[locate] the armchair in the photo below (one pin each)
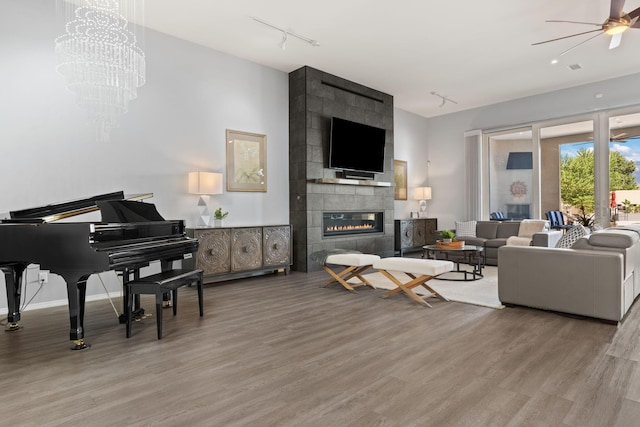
(497, 216)
(556, 220)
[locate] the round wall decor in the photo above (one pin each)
(518, 189)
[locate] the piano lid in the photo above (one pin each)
(58, 211)
(125, 211)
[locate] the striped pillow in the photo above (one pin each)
(466, 228)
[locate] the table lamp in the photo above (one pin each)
(204, 184)
(423, 194)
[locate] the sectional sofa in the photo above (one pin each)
(492, 235)
(599, 276)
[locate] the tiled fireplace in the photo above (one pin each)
(347, 223)
(316, 190)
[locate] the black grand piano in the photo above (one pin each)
(131, 235)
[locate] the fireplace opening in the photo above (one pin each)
(344, 223)
(518, 211)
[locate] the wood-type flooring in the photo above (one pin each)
(280, 350)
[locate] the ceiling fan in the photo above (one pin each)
(617, 23)
(621, 138)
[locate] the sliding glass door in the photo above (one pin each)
(510, 164)
(624, 158)
(567, 170)
(574, 166)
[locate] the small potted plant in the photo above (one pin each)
(447, 235)
(218, 216)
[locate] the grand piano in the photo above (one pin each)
(131, 235)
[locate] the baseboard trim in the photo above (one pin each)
(56, 303)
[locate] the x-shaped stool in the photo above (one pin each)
(419, 270)
(355, 265)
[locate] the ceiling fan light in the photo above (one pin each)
(616, 28)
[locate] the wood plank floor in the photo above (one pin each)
(282, 351)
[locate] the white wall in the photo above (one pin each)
(177, 125)
(410, 145)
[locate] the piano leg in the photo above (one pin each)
(76, 292)
(166, 297)
(13, 280)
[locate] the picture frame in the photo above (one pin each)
(400, 180)
(246, 161)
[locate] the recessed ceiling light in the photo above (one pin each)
(554, 61)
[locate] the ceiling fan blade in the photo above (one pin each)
(635, 23)
(579, 44)
(566, 37)
(634, 13)
(616, 9)
(615, 41)
(576, 22)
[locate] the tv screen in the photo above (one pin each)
(520, 160)
(356, 147)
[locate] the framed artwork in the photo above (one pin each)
(400, 180)
(246, 161)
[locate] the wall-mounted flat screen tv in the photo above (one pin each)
(356, 147)
(520, 160)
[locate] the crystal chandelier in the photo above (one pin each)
(101, 62)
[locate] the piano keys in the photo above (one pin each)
(131, 235)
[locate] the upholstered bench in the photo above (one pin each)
(158, 285)
(419, 270)
(354, 265)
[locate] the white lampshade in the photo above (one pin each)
(205, 183)
(422, 193)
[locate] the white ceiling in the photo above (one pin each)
(473, 52)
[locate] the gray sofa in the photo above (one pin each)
(599, 276)
(494, 234)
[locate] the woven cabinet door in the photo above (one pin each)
(246, 248)
(277, 245)
(419, 233)
(213, 253)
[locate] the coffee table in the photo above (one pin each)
(468, 254)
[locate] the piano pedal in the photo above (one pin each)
(142, 317)
(79, 345)
(13, 327)
(137, 315)
(167, 304)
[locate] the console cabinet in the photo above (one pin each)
(230, 253)
(413, 234)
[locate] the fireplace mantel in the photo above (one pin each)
(344, 181)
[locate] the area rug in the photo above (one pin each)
(483, 292)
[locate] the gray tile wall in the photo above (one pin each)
(315, 97)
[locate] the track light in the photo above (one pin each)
(287, 33)
(444, 99)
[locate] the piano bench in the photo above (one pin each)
(158, 285)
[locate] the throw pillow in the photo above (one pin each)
(571, 236)
(466, 228)
(529, 227)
